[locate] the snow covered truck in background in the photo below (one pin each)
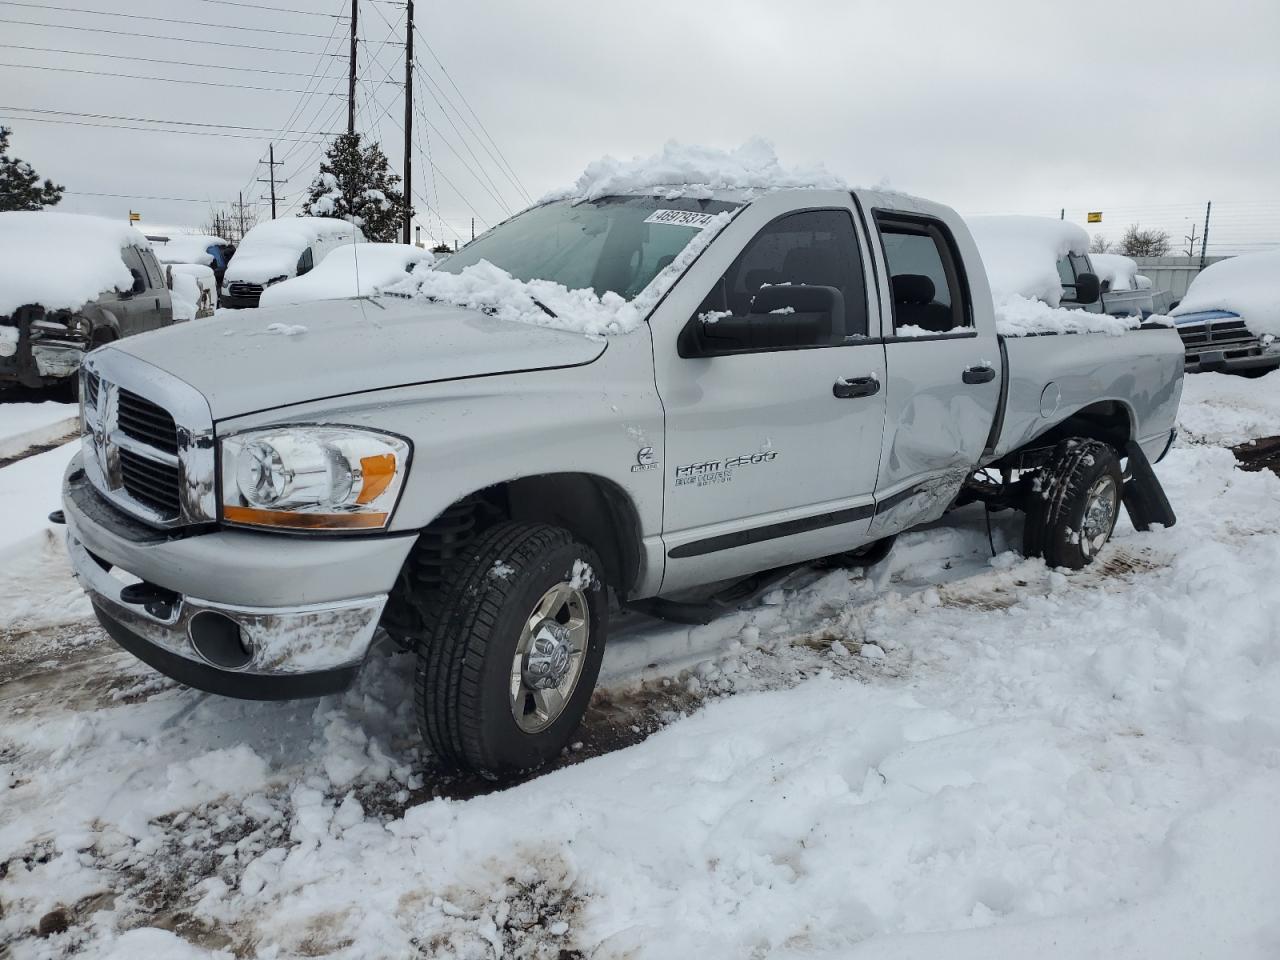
(1229, 320)
(1049, 260)
(275, 250)
(644, 398)
(69, 283)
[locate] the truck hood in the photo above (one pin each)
(249, 360)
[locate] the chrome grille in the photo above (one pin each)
(1231, 338)
(148, 441)
(145, 421)
(153, 483)
(251, 291)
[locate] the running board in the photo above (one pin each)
(700, 612)
(1144, 498)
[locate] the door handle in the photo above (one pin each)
(849, 387)
(981, 374)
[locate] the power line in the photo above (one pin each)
(479, 122)
(182, 123)
(142, 16)
(174, 63)
(259, 6)
(132, 196)
(467, 146)
(155, 36)
(121, 126)
(137, 76)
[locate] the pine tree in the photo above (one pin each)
(20, 187)
(356, 184)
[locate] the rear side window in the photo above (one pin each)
(306, 261)
(134, 262)
(808, 248)
(929, 295)
(155, 275)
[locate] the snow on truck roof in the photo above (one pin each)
(1248, 285)
(355, 270)
(61, 261)
(687, 170)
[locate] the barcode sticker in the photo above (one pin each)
(681, 218)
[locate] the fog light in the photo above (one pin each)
(217, 638)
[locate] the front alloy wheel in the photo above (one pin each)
(515, 637)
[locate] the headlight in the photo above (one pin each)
(1270, 343)
(312, 478)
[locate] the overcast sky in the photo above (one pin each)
(1142, 111)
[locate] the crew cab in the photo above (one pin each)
(69, 283)
(275, 250)
(792, 374)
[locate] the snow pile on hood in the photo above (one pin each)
(61, 261)
(683, 170)
(545, 303)
(358, 270)
(1021, 254)
(271, 249)
(188, 249)
(1122, 271)
(1248, 285)
(1021, 317)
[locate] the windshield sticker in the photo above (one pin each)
(681, 218)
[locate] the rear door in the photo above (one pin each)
(159, 300)
(772, 453)
(945, 385)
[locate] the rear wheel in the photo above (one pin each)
(514, 640)
(1074, 504)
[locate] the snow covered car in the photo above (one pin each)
(276, 250)
(69, 283)
(354, 270)
(202, 249)
(661, 393)
(1045, 259)
(194, 289)
(1230, 318)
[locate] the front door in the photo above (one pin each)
(771, 453)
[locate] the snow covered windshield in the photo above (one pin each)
(612, 244)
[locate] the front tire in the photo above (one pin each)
(515, 637)
(1074, 504)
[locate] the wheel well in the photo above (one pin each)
(1110, 421)
(594, 509)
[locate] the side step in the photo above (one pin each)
(699, 612)
(1144, 498)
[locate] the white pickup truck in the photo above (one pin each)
(792, 374)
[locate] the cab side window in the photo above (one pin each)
(306, 261)
(929, 295)
(136, 267)
(802, 265)
(155, 276)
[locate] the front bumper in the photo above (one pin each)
(304, 610)
(42, 363)
(232, 301)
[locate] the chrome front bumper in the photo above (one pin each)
(281, 642)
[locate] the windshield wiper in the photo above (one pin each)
(545, 309)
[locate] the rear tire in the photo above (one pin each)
(1074, 504)
(514, 640)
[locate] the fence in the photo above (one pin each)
(1172, 273)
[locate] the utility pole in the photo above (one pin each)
(408, 118)
(473, 228)
(1062, 213)
(351, 77)
(240, 211)
(1204, 243)
(271, 166)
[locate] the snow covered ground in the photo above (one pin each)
(955, 756)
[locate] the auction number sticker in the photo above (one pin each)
(681, 218)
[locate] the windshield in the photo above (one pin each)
(613, 244)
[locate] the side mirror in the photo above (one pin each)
(139, 284)
(1088, 288)
(781, 317)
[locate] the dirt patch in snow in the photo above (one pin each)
(1261, 454)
